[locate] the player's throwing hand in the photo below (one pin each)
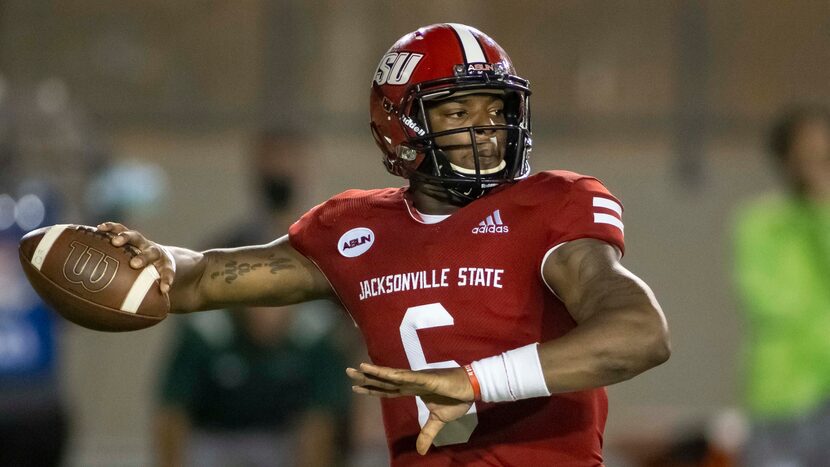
(149, 252)
(447, 393)
(381, 381)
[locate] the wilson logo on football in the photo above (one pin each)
(492, 224)
(396, 68)
(355, 242)
(89, 267)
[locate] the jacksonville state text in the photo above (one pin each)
(463, 277)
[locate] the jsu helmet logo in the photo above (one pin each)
(89, 267)
(396, 68)
(355, 242)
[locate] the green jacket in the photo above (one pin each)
(782, 272)
(225, 383)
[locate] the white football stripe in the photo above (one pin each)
(46, 243)
(472, 49)
(600, 218)
(607, 204)
(489, 220)
(139, 289)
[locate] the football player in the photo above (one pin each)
(493, 303)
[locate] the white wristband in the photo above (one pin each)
(513, 375)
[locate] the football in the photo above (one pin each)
(88, 280)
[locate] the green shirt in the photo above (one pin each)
(224, 382)
(782, 272)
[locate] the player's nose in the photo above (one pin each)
(482, 122)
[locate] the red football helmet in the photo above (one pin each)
(436, 62)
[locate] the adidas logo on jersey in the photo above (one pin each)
(492, 224)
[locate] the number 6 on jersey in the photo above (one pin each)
(433, 315)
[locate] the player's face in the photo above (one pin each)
(467, 111)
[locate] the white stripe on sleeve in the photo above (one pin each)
(600, 218)
(606, 203)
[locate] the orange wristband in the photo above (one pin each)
(473, 382)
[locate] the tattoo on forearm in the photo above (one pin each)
(234, 270)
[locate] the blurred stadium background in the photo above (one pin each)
(666, 101)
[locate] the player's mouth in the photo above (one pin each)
(487, 166)
(487, 161)
(488, 153)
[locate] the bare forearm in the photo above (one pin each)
(273, 274)
(190, 266)
(270, 275)
(625, 335)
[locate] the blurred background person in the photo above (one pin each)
(258, 386)
(242, 390)
(782, 269)
(33, 412)
(48, 149)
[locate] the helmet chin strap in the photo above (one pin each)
(466, 171)
(437, 191)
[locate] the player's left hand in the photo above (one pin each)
(447, 393)
(381, 381)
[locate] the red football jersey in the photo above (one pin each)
(442, 295)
